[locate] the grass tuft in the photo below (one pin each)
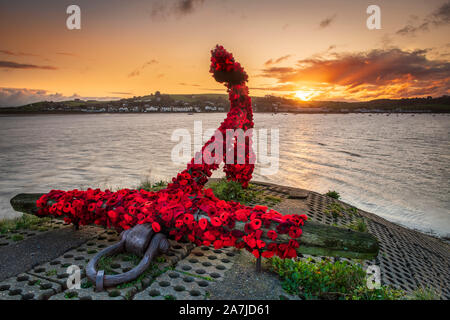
(358, 225)
(333, 194)
(233, 191)
(425, 293)
(147, 185)
(328, 280)
(26, 221)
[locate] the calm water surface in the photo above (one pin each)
(396, 166)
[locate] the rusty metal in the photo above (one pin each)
(139, 240)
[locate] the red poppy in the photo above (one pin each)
(113, 215)
(272, 234)
(260, 244)
(218, 244)
(156, 227)
(188, 218)
(255, 253)
(267, 254)
(203, 223)
(256, 224)
(216, 222)
(179, 223)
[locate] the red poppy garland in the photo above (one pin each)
(185, 210)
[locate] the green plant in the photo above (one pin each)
(26, 221)
(86, 285)
(70, 295)
(233, 191)
(328, 280)
(337, 210)
(207, 278)
(358, 225)
(152, 271)
(425, 293)
(160, 259)
(17, 237)
(383, 293)
(52, 272)
(272, 200)
(105, 263)
(150, 186)
(129, 257)
(333, 194)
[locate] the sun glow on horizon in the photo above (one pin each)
(304, 95)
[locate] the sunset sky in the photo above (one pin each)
(312, 50)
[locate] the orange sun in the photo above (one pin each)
(304, 95)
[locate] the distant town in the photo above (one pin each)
(195, 103)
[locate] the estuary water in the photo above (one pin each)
(396, 166)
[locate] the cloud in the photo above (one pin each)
(280, 59)
(326, 22)
(121, 93)
(18, 54)
(364, 73)
(188, 84)
(136, 72)
(67, 54)
(12, 97)
(188, 6)
(165, 8)
(439, 17)
(16, 65)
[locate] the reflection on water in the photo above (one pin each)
(397, 167)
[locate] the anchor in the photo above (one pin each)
(140, 240)
(185, 210)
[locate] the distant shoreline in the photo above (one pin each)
(28, 113)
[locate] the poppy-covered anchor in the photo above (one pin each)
(188, 211)
(140, 240)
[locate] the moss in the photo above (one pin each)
(70, 295)
(160, 259)
(129, 257)
(336, 210)
(86, 285)
(358, 225)
(26, 221)
(233, 191)
(152, 271)
(114, 293)
(197, 276)
(104, 263)
(17, 237)
(52, 272)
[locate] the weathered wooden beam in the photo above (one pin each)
(317, 238)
